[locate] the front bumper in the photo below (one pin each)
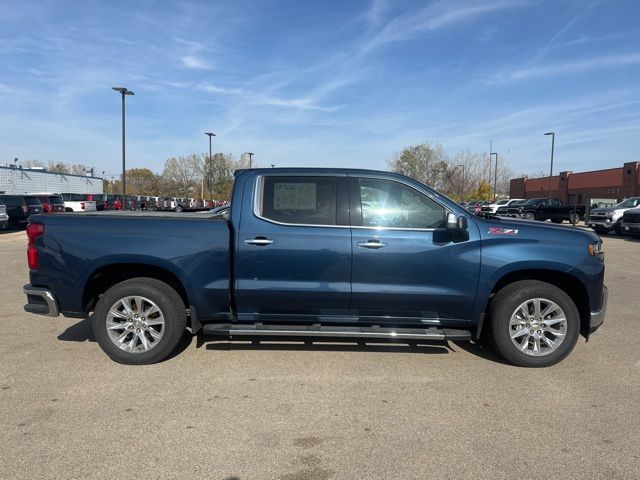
(597, 317)
(40, 301)
(630, 227)
(601, 223)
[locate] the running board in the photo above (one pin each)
(234, 330)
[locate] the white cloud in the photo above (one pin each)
(191, 61)
(596, 63)
(433, 17)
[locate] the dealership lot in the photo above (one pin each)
(322, 411)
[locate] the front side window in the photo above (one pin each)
(299, 200)
(391, 204)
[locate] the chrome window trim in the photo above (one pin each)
(258, 198)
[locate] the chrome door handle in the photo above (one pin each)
(260, 241)
(374, 244)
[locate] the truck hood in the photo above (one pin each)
(520, 228)
(604, 211)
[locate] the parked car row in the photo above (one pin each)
(18, 208)
(543, 209)
(605, 220)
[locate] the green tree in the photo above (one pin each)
(425, 163)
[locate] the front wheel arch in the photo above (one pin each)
(571, 285)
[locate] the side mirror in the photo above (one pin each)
(455, 222)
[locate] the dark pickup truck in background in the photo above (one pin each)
(545, 209)
(320, 253)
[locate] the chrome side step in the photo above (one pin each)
(259, 330)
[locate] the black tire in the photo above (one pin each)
(169, 303)
(574, 218)
(505, 303)
(618, 228)
(179, 208)
(601, 231)
(530, 216)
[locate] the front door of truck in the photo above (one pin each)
(294, 249)
(405, 265)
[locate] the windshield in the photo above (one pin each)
(629, 203)
(502, 202)
(32, 201)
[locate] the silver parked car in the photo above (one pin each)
(4, 218)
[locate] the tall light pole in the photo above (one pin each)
(495, 177)
(462, 183)
(209, 134)
(553, 141)
(123, 91)
(251, 154)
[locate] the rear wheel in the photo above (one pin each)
(574, 218)
(533, 323)
(139, 321)
(179, 208)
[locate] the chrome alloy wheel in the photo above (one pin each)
(135, 324)
(538, 327)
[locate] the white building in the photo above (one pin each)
(25, 180)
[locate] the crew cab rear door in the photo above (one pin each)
(294, 248)
(406, 268)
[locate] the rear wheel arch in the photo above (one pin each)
(107, 276)
(571, 285)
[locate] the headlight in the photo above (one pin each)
(595, 249)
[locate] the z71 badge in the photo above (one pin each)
(502, 231)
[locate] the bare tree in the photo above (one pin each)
(180, 175)
(58, 167)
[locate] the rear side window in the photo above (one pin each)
(391, 204)
(299, 200)
(55, 199)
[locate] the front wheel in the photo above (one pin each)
(139, 321)
(533, 323)
(179, 208)
(618, 228)
(530, 216)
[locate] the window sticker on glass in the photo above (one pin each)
(294, 196)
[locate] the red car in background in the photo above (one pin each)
(51, 202)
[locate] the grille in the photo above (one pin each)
(631, 217)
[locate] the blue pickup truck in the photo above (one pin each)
(320, 253)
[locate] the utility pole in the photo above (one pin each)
(123, 91)
(495, 177)
(461, 183)
(209, 182)
(553, 141)
(251, 154)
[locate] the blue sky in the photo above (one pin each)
(330, 83)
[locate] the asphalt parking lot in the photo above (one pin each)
(314, 412)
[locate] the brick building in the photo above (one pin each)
(578, 188)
